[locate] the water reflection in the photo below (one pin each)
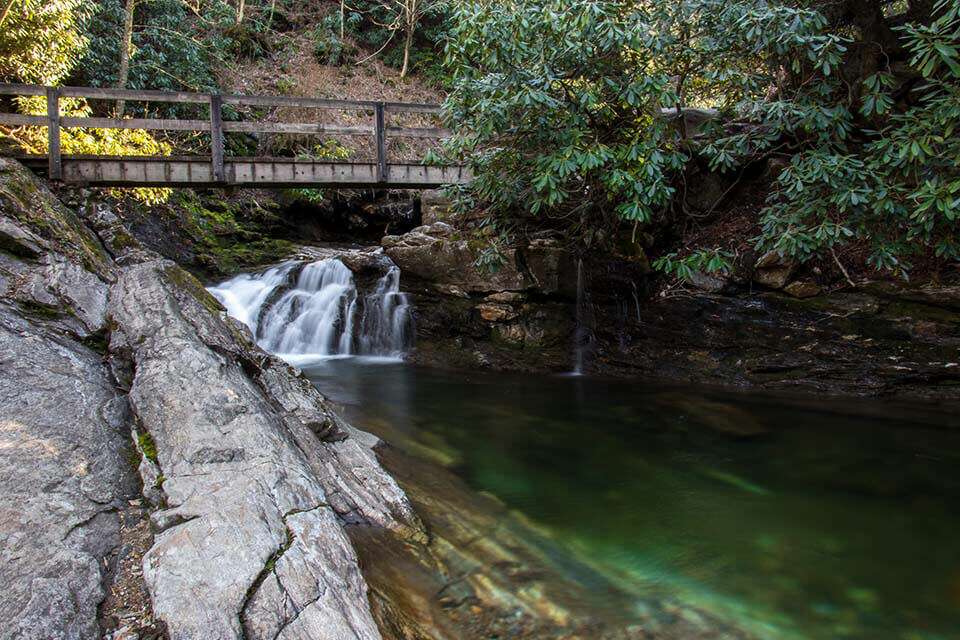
(793, 518)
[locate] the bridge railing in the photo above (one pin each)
(215, 125)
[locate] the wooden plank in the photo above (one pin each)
(296, 101)
(22, 120)
(55, 166)
(410, 107)
(418, 132)
(297, 127)
(216, 138)
(22, 90)
(153, 124)
(136, 95)
(381, 142)
(143, 95)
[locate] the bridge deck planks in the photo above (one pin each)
(196, 171)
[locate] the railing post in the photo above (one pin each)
(380, 131)
(55, 167)
(216, 137)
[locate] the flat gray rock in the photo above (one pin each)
(62, 474)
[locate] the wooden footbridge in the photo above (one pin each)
(218, 169)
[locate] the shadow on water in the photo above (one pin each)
(789, 517)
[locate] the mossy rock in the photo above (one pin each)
(26, 199)
(190, 284)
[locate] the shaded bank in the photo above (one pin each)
(873, 339)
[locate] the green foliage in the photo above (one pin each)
(567, 111)
(378, 25)
(700, 261)
(173, 47)
(328, 47)
(41, 40)
(898, 188)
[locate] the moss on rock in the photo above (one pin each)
(24, 198)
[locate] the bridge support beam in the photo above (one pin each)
(380, 132)
(55, 168)
(216, 138)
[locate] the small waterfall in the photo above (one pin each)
(323, 314)
(636, 300)
(581, 336)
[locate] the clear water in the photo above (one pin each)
(792, 518)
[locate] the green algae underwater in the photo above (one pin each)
(787, 517)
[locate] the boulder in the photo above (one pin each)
(708, 282)
(773, 270)
(802, 289)
(433, 254)
(437, 255)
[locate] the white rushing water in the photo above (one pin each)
(322, 314)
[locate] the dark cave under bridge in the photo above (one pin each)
(219, 169)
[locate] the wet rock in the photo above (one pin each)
(505, 296)
(802, 289)
(773, 270)
(708, 282)
(496, 312)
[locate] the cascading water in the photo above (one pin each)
(323, 314)
(581, 336)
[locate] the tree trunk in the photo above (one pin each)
(343, 10)
(407, 42)
(123, 75)
(240, 9)
(6, 10)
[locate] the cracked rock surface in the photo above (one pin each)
(62, 425)
(247, 532)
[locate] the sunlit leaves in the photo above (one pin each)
(41, 40)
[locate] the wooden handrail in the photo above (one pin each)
(141, 95)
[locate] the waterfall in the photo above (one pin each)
(581, 334)
(323, 314)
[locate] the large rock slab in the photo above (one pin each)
(436, 254)
(62, 475)
(448, 259)
(251, 541)
(63, 424)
